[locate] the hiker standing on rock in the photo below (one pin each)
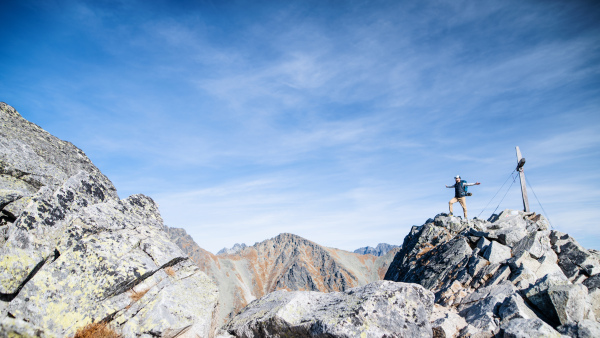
(460, 193)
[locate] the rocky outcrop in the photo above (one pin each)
(72, 252)
(286, 262)
(510, 275)
(380, 250)
(379, 309)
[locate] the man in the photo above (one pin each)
(460, 193)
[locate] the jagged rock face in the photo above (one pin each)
(31, 158)
(74, 253)
(286, 262)
(508, 269)
(380, 250)
(379, 309)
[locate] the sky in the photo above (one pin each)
(338, 121)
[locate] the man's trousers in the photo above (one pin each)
(463, 204)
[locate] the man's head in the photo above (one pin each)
(457, 178)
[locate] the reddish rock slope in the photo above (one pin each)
(285, 262)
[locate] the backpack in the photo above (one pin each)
(466, 188)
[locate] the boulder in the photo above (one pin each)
(446, 323)
(583, 329)
(509, 219)
(475, 265)
(529, 328)
(574, 259)
(537, 295)
(569, 302)
(515, 307)
(451, 223)
(497, 253)
(378, 309)
(480, 308)
(523, 278)
(537, 243)
(594, 301)
(511, 236)
(592, 283)
(483, 243)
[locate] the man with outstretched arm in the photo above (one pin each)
(460, 193)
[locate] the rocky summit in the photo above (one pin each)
(510, 275)
(73, 253)
(285, 262)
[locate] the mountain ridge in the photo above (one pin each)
(284, 262)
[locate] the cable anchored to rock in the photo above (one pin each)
(509, 176)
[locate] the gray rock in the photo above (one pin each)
(573, 259)
(536, 243)
(480, 307)
(31, 158)
(446, 323)
(482, 244)
(34, 236)
(509, 219)
(529, 328)
(501, 275)
(15, 208)
(9, 196)
(475, 265)
(378, 309)
(74, 253)
(523, 278)
(430, 256)
(111, 253)
(451, 223)
(12, 328)
(570, 302)
(583, 329)
(549, 266)
(524, 260)
(558, 239)
(594, 301)
(515, 307)
(497, 253)
(482, 277)
(537, 295)
(511, 236)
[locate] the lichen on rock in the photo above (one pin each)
(75, 253)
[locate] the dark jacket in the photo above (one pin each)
(459, 188)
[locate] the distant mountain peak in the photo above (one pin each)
(380, 250)
(237, 247)
(286, 261)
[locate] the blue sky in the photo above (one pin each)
(339, 121)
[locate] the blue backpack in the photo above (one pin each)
(465, 187)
